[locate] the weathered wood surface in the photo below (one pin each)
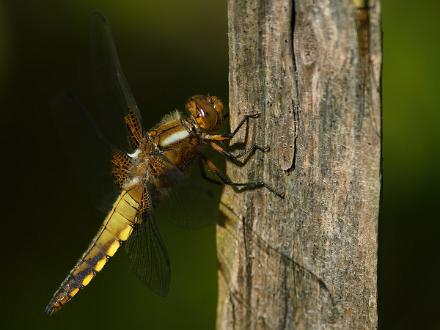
(312, 68)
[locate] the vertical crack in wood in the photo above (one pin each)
(289, 120)
(295, 102)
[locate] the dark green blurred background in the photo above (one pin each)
(169, 51)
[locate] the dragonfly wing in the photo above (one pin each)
(86, 149)
(148, 256)
(114, 97)
(192, 203)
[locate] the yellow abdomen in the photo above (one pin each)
(116, 228)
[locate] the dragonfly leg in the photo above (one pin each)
(230, 135)
(241, 123)
(235, 158)
(205, 175)
(247, 152)
(238, 187)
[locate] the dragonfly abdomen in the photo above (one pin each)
(116, 228)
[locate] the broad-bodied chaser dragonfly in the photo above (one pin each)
(158, 160)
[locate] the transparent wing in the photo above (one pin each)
(148, 256)
(192, 203)
(86, 149)
(113, 94)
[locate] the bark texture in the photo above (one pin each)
(308, 261)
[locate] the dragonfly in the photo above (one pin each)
(155, 161)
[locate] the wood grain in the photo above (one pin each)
(309, 261)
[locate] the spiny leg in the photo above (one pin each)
(222, 137)
(241, 123)
(238, 187)
(234, 158)
(230, 135)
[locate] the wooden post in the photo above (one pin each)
(309, 261)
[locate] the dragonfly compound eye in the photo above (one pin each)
(206, 110)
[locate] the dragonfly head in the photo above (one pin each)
(206, 111)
